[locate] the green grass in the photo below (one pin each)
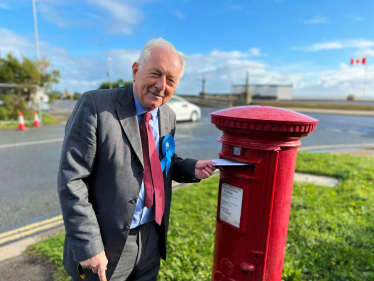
(50, 250)
(191, 232)
(47, 120)
(330, 233)
(330, 236)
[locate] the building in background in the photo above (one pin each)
(266, 91)
(38, 97)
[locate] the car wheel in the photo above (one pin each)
(194, 116)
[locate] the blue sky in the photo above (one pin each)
(305, 43)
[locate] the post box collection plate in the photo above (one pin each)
(231, 204)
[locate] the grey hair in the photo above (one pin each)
(155, 43)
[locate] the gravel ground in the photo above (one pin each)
(24, 268)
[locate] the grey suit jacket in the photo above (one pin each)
(101, 172)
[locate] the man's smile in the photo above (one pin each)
(156, 95)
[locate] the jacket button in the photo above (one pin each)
(141, 173)
(127, 227)
(133, 201)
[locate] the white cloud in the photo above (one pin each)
(221, 68)
(337, 83)
(4, 6)
(115, 16)
(10, 39)
(121, 16)
(255, 52)
(338, 44)
(13, 43)
(178, 14)
(356, 18)
(316, 20)
(78, 73)
(364, 53)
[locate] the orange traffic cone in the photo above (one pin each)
(36, 119)
(21, 122)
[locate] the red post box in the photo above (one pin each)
(254, 200)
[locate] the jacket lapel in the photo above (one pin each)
(126, 113)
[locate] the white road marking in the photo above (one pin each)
(334, 130)
(30, 226)
(31, 231)
(33, 228)
(30, 143)
(357, 132)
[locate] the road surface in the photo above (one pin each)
(29, 159)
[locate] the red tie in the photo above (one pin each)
(153, 177)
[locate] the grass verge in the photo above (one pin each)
(330, 230)
(47, 120)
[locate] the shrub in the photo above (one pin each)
(4, 113)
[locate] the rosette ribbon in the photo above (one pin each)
(168, 149)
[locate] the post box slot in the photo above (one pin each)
(246, 172)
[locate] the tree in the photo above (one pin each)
(105, 85)
(25, 75)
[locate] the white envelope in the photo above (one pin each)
(225, 162)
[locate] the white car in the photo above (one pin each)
(184, 110)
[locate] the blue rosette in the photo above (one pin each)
(168, 149)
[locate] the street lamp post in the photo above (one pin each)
(36, 30)
(110, 72)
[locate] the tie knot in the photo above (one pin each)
(146, 117)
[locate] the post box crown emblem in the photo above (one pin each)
(264, 118)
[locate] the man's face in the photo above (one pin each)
(157, 79)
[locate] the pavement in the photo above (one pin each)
(369, 152)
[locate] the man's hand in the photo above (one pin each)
(97, 264)
(204, 169)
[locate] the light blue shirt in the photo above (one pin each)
(142, 214)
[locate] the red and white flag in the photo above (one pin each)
(358, 61)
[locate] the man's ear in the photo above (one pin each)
(135, 68)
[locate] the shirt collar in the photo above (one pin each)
(140, 108)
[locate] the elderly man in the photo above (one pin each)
(116, 169)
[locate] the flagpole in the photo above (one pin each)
(366, 69)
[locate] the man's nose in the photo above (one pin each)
(161, 83)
